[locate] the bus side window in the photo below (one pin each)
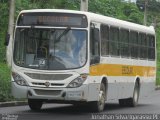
(113, 41)
(151, 47)
(94, 46)
(104, 40)
(143, 46)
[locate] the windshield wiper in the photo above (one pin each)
(64, 33)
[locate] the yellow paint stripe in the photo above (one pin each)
(122, 70)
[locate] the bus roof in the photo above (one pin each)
(102, 19)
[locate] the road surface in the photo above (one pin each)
(149, 107)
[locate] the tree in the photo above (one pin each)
(153, 8)
(153, 5)
(3, 26)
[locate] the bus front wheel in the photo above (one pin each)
(35, 104)
(98, 106)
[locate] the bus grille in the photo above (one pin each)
(48, 92)
(48, 76)
(43, 84)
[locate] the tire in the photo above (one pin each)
(35, 104)
(134, 101)
(98, 106)
(131, 102)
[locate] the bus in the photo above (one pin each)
(67, 56)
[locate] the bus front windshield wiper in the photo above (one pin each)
(63, 33)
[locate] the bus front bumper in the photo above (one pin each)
(65, 94)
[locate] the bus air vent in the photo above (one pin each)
(47, 92)
(48, 76)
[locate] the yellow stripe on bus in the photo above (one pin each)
(122, 70)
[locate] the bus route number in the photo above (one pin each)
(127, 70)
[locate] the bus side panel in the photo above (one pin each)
(125, 86)
(147, 86)
(112, 91)
(93, 88)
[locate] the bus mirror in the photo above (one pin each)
(7, 39)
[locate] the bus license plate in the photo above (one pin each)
(75, 94)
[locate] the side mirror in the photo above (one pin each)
(7, 38)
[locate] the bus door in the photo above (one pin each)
(94, 43)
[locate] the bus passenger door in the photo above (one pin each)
(94, 44)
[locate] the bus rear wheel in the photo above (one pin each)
(98, 106)
(35, 104)
(132, 102)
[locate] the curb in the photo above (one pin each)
(13, 103)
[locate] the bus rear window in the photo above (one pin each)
(52, 19)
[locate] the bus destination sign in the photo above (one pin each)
(52, 19)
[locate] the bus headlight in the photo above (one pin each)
(19, 79)
(78, 81)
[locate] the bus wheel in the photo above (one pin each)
(132, 102)
(98, 106)
(35, 104)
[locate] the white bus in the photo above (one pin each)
(66, 56)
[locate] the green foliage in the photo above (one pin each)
(131, 13)
(104, 7)
(153, 5)
(158, 55)
(3, 28)
(158, 78)
(117, 9)
(153, 9)
(72, 4)
(5, 83)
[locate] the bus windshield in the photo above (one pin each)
(50, 49)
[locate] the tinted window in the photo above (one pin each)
(114, 34)
(151, 47)
(113, 48)
(124, 50)
(134, 51)
(124, 43)
(113, 41)
(142, 39)
(104, 40)
(133, 37)
(124, 36)
(143, 46)
(151, 41)
(133, 41)
(143, 52)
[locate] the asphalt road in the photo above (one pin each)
(148, 106)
